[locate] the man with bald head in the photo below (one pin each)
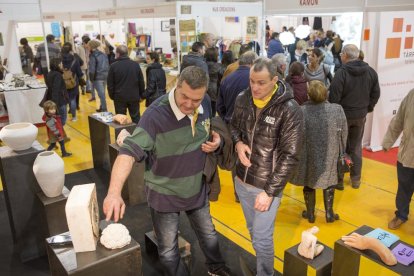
(125, 84)
(355, 87)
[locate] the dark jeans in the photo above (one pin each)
(354, 148)
(405, 191)
(62, 146)
(133, 109)
(73, 93)
(166, 230)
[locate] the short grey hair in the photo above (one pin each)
(194, 76)
(279, 60)
(122, 50)
(265, 63)
(351, 51)
(247, 58)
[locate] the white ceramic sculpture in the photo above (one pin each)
(49, 170)
(82, 215)
(115, 235)
(19, 136)
(308, 247)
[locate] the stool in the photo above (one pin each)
(53, 212)
(126, 261)
(295, 264)
(151, 247)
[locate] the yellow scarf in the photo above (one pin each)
(194, 121)
(262, 103)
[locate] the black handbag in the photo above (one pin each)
(344, 160)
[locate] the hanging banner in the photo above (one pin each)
(395, 69)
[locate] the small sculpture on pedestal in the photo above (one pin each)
(82, 215)
(115, 235)
(122, 119)
(308, 247)
(362, 243)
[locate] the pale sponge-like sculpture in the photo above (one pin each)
(362, 243)
(115, 235)
(308, 247)
(122, 119)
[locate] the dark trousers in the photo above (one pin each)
(405, 191)
(166, 231)
(62, 146)
(133, 109)
(354, 148)
(45, 71)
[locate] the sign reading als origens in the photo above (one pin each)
(219, 9)
(395, 69)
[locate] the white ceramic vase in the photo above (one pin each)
(19, 136)
(49, 170)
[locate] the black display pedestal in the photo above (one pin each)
(126, 261)
(134, 187)
(295, 264)
(53, 212)
(151, 248)
(20, 188)
(99, 132)
(347, 259)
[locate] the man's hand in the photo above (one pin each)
(243, 152)
(113, 205)
(211, 146)
(263, 202)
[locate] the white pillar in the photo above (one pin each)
(11, 51)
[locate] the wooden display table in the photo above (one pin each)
(53, 212)
(99, 132)
(23, 208)
(347, 259)
(63, 260)
(295, 264)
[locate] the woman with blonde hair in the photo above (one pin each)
(325, 132)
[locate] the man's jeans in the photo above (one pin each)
(166, 231)
(100, 86)
(63, 112)
(354, 148)
(405, 191)
(260, 224)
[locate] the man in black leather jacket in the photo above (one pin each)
(266, 129)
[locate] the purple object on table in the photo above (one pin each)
(404, 254)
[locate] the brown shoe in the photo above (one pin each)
(395, 223)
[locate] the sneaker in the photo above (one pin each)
(339, 186)
(222, 271)
(74, 119)
(356, 184)
(66, 154)
(91, 100)
(395, 223)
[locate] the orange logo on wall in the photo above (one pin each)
(393, 47)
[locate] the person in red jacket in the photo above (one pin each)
(54, 126)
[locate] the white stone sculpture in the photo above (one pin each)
(82, 214)
(19, 136)
(49, 170)
(115, 235)
(308, 247)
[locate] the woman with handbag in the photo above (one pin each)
(71, 64)
(156, 80)
(56, 88)
(325, 134)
